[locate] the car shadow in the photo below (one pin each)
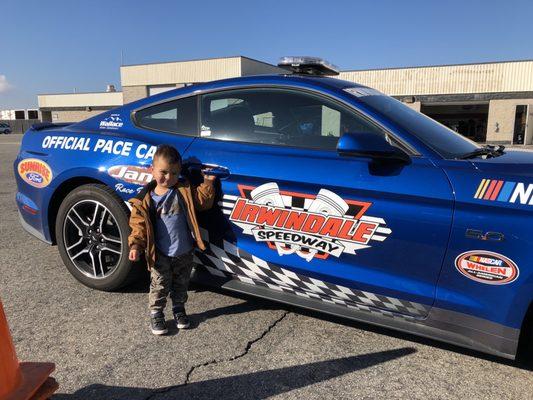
(255, 385)
(521, 363)
(257, 303)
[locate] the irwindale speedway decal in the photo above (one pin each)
(35, 172)
(487, 267)
(311, 226)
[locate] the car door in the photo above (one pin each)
(297, 215)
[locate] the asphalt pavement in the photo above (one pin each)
(240, 347)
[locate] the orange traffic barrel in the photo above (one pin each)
(21, 381)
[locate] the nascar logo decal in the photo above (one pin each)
(310, 226)
(35, 172)
(509, 192)
(487, 267)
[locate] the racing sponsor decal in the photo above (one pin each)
(487, 267)
(35, 172)
(310, 226)
(131, 174)
(505, 191)
(121, 188)
(107, 146)
(112, 122)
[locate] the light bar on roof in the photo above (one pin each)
(308, 66)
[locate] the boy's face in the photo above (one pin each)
(165, 174)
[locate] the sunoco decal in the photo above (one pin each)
(112, 122)
(35, 172)
(505, 191)
(487, 267)
(310, 226)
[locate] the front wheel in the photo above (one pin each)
(92, 237)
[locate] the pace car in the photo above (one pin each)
(330, 196)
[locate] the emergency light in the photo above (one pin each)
(308, 66)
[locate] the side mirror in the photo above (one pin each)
(371, 145)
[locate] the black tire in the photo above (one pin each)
(100, 260)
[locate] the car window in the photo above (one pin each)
(177, 116)
(218, 104)
(280, 117)
(447, 143)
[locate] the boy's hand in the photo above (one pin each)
(134, 254)
(208, 178)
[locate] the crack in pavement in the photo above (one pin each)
(215, 361)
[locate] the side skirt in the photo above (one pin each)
(444, 325)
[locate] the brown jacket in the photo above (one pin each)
(142, 219)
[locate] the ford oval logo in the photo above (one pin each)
(35, 172)
(34, 177)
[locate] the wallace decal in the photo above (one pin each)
(310, 226)
(112, 122)
(487, 267)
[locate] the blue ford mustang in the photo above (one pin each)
(330, 196)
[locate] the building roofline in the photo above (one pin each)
(344, 70)
(18, 109)
(438, 65)
(200, 59)
(182, 61)
(261, 62)
(63, 94)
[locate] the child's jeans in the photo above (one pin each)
(170, 275)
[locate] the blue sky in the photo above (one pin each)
(56, 46)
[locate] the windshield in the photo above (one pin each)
(447, 143)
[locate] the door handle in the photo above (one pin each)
(213, 169)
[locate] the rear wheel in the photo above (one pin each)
(92, 236)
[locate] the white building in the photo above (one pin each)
(487, 102)
(10, 115)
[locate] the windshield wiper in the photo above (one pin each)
(488, 150)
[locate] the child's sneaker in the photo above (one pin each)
(157, 324)
(182, 321)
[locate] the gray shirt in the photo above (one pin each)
(172, 233)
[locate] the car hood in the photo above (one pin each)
(515, 162)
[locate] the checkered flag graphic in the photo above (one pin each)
(234, 263)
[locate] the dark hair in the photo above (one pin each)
(169, 153)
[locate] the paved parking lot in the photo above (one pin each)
(241, 347)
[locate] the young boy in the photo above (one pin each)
(163, 221)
